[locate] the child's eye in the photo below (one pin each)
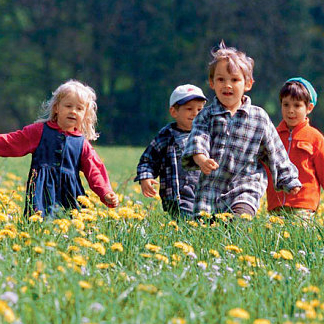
(220, 79)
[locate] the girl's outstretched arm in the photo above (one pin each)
(21, 142)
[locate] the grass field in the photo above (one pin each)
(137, 265)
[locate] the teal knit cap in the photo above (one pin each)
(309, 88)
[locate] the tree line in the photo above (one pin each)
(135, 52)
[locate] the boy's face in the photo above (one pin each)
(229, 87)
(185, 114)
(294, 111)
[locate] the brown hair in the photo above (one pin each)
(236, 61)
(296, 91)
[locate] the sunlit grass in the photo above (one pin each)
(135, 264)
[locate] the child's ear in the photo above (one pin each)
(248, 85)
(173, 112)
(310, 108)
(211, 83)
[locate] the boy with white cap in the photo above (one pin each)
(163, 155)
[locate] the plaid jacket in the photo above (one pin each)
(238, 144)
(160, 159)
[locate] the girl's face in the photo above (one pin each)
(294, 111)
(70, 113)
(229, 87)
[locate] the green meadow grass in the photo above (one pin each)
(268, 270)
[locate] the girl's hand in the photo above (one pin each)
(147, 187)
(294, 190)
(112, 200)
(206, 165)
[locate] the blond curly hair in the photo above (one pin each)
(87, 97)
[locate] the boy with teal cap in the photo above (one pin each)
(305, 147)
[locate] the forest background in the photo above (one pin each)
(135, 52)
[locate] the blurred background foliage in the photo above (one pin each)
(135, 52)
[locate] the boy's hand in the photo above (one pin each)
(147, 187)
(112, 200)
(294, 190)
(206, 165)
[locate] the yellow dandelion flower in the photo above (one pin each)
(38, 249)
(247, 217)
(84, 284)
(178, 320)
(275, 275)
(303, 305)
(276, 220)
(113, 214)
(78, 224)
(161, 257)
(313, 289)
(214, 253)
(286, 234)
(202, 264)
(82, 242)
(63, 224)
(193, 223)
(311, 313)
(24, 289)
(126, 212)
(174, 224)
(224, 216)
(103, 238)
(84, 201)
(242, 282)
(102, 265)
(50, 244)
(233, 248)
(203, 213)
(239, 313)
(261, 321)
(147, 288)
(16, 247)
(152, 247)
(315, 303)
(4, 218)
(7, 233)
(285, 254)
(36, 218)
(61, 269)
(79, 260)
(276, 255)
(73, 248)
(99, 248)
(7, 312)
(117, 247)
(186, 248)
(176, 257)
(146, 255)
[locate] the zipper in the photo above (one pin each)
(288, 151)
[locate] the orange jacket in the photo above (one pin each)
(305, 147)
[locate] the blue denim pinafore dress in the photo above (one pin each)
(54, 180)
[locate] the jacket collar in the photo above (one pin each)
(282, 127)
(218, 109)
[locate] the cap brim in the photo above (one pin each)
(186, 99)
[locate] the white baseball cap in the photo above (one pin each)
(185, 93)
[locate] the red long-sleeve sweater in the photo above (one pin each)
(22, 142)
(305, 147)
